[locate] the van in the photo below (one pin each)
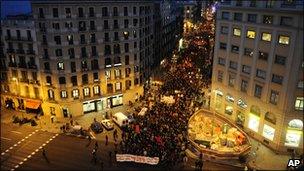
(120, 119)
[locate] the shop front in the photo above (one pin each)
(114, 101)
(254, 118)
(294, 133)
(94, 105)
(33, 106)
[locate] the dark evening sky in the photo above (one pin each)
(14, 7)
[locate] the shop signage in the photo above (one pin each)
(137, 159)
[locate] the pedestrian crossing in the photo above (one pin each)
(23, 150)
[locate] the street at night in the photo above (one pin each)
(151, 85)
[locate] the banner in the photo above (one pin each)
(137, 159)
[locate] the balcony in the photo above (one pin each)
(48, 71)
(12, 64)
(14, 38)
(22, 65)
(82, 29)
(30, 52)
(32, 66)
(10, 50)
(20, 51)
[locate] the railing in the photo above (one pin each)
(32, 66)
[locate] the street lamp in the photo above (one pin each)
(17, 91)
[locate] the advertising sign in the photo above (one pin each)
(137, 159)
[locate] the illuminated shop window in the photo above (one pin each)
(299, 103)
(229, 98)
(250, 34)
(253, 122)
(237, 32)
(228, 109)
(86, 91)
(268, 132)
(75, 93)
(242, 103)
(293, 138)
(284, 40)
(266, 37)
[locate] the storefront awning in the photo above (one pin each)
(32, 104)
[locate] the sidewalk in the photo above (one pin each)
(266, 159)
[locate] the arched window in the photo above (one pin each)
(51, 94)
(296, 124)
(108, 62)
(49, 80)
(255, 110)
(270, 117)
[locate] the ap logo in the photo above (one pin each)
(294, 162)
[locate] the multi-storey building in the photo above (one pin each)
(20, 77)
(93, 54)
(258, 70)
(168, 28)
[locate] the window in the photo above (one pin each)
(116, 49)
(258, 91)
(47, 66)
(108, 62)
(104, 11)
(231, 80)
(118, 86)
(82, 26)
(55, 12)
(239, 3)
(244, 85)
(116, 26)
(223, 45)
(238, 16)
(126, 35)
(82, 39)
(221, 61)
(108, 74)
(51, 94)
(73, 67)
(300, 84)
(234, 49)
(266, 37)
(126, 47)
(96, 90)
(127, 59)
(281, 60)
(41, 13)
(267, 19)
(248, 52)
(86, 92)
(60, 66)
(299, 103)
(135, 21)
(134, 11)
(274, 97)
(284, 40)
(95, 76)
(286, 21)
(84, 65)
(71, 53)
(70, 39)
(57, 39)
(80, 12)
(68, 12)
(117, 61)
(233, 65)
(270, 3)
(48, 80)
(62, 80)
(94, 64)
(83, 52)
(85, 79)
(63, 94)
(225, 15)
(106, 37)
(246, 69)
(117, 73)
(237, 32)
(224, 30)
(116, 37)
(91, 12)
(128, 72)
(74, 80)
(125, 11)
(252, 18)
(92, 25)
(107, 50)
(260, 73)
(250, 34)
(93, 38)
(115, 11)
(56, 26)
(277, 79)
(58, 52)
(263, 55)
(220, 75)
(75, 93)
(105, 24)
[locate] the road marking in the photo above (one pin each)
(51, 139)
(54, 137)
(30, 135)
(37, 130)
(47, 142)
(15, 145)
(16, 166)
(12, 169)
(29, 156)
(20, 163)
(6, 138)
(16, 132)
(43, 144)
(33, 153)
(25, 159)
(19, 142)
(26, 137)
(36, 150)
(2, 153)
(22, 139)
(11, 148)
(40, 147)
(57, 134)
(6, 151)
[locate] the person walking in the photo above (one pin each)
(107, 139)
(94, 159)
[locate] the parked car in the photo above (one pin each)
(120, 119)
(131, 118)
(108, 124)
(96, 127)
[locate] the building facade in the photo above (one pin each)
(258, 65)
(20, 75)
